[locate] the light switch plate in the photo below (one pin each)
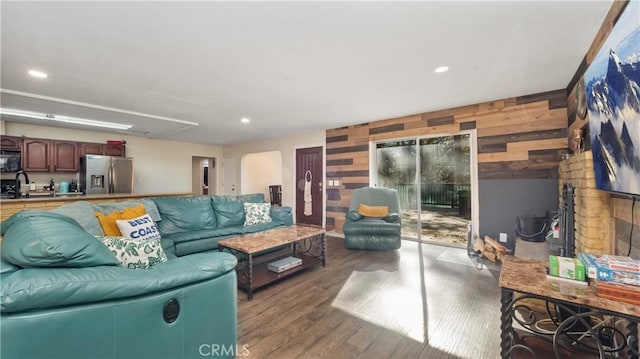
(503, 237)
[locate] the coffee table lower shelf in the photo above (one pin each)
(261, 275)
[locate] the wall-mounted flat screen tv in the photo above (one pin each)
(612, 85)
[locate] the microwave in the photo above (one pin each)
(9, 161)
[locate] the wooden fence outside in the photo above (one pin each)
(434, 194)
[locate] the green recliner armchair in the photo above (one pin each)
(378, 232)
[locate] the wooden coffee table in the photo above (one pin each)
(256, 250)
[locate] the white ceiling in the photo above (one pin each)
(291, 67)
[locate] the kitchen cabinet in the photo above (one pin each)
(36, 155)
(11, 143)
(115, 150)
(88, 148)
(41, 155)
(65, 156)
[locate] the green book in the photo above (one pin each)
(565, 267)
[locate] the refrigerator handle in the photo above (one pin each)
(111, 187)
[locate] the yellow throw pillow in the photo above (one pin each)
(373, 211)
(108, 222)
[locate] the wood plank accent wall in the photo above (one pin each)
(620, 208)
(518, 138)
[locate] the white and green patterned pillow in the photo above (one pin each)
(256, 213)
(136, 254)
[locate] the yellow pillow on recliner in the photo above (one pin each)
(108, 222)
(373, 211)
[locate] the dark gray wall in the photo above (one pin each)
(502, 201)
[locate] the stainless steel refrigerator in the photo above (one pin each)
(106, 174)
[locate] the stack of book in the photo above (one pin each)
(614, 277)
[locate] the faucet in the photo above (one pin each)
(26, 179)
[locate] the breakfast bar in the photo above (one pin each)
(9, 207)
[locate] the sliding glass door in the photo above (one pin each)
(433, 177)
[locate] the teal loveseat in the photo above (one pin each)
(64, 295)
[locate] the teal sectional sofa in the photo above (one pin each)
(63, 294)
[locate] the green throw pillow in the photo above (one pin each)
(256, 213)
(136, 254)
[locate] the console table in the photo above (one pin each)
(577, 303)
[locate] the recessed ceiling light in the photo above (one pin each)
(245, 120)
(441, 69)
(39, 74)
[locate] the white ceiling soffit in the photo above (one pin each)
(147, 125)
(292, 67)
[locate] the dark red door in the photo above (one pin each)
(309, 189)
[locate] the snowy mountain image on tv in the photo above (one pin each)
(613, 101)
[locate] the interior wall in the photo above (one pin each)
(161, 166)
(503, 200)
(286, 146)
(259, 171)
(521, 140)
(196, 173)
(213, 170)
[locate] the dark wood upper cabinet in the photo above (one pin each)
(115, 150)
(36, 155)
(43, 155)
(10, 143)
(87, 148)
(65, 156)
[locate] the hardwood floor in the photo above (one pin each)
(422, 301)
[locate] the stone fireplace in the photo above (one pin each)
(602, 220)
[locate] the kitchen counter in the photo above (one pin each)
(8, 207)
(89, 197)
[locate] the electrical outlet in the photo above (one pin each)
(503, 237)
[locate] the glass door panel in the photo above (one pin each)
(396, 168)
(445, 189)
